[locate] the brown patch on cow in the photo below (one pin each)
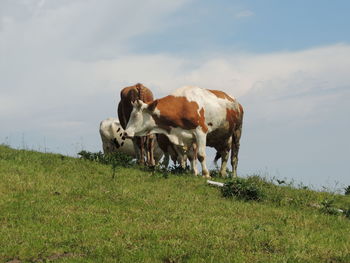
(202, 120)
(221, 95)
(210, 124)
(179, 112)
(234, 117)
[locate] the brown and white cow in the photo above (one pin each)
(193, 116)
(127, 96)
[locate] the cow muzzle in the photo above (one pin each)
(127, 136)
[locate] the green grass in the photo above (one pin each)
(61, 209)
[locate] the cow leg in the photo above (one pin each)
(224, 158)
(147, 152)
(181, 156)
(182, 160)
(136, 148)
(217, 157)
(142, 150)
(105, 146)
(201, 143)
(165, 162)
(234, 150)
(192, 156)
(173, 153)
(137, 141)
(150, 150)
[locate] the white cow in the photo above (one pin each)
(113, 140)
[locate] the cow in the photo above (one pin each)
(175, 152)
(113, 140)
(193, 116)
(127, 96)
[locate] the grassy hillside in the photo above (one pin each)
(60, 209)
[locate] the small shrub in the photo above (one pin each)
(215, 173)
(178, 170)
(347, 190)
(115, 159)
(280, 181)
(347, 213)
(245, 189)
(328, 208)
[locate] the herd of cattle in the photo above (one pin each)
(178, 126)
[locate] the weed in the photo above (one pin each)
(177, 169)
(347, 213)
(245, 189)
(280, 181)
(115, 159)
(327, 206)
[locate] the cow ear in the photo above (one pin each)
(152, 106)
(137, 103)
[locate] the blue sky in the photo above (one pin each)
(255, 26)
(64, 62)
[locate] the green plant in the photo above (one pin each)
(347, 190)
(114, 159)
(245, 189)
(178, 170)
(327, 206)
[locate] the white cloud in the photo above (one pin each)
(245, 13)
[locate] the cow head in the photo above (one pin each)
(141, 122)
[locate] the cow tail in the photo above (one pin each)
(236, 135)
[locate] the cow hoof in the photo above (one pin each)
(207, 176)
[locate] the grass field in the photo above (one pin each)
(55, 208)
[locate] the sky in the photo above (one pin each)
(63, 64)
